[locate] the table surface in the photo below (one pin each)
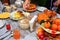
(14, 24)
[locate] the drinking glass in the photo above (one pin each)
(16, 34)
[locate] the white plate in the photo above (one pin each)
(12, 15)
(41, 8)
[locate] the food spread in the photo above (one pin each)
(48, 23)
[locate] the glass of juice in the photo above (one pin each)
(16, 34)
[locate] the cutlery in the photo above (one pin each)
(5, 35)
(9, 36)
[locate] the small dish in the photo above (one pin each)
(41, 8)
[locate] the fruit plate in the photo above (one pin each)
(49, 30)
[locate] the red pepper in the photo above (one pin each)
(8, 26)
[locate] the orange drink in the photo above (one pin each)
(16, 34)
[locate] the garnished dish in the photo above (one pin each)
(52, 26)
(46, 15)
(32, 7)
(17, 15)
(4, 15)
(49, 22)
(50, 13)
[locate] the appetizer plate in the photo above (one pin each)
(41, 8)
(12, 16)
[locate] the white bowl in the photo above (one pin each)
(12, 16)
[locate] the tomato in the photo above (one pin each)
(59, 28)
(54, 27)
(56, 21)
(47, 24)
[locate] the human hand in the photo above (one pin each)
(26, 4)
